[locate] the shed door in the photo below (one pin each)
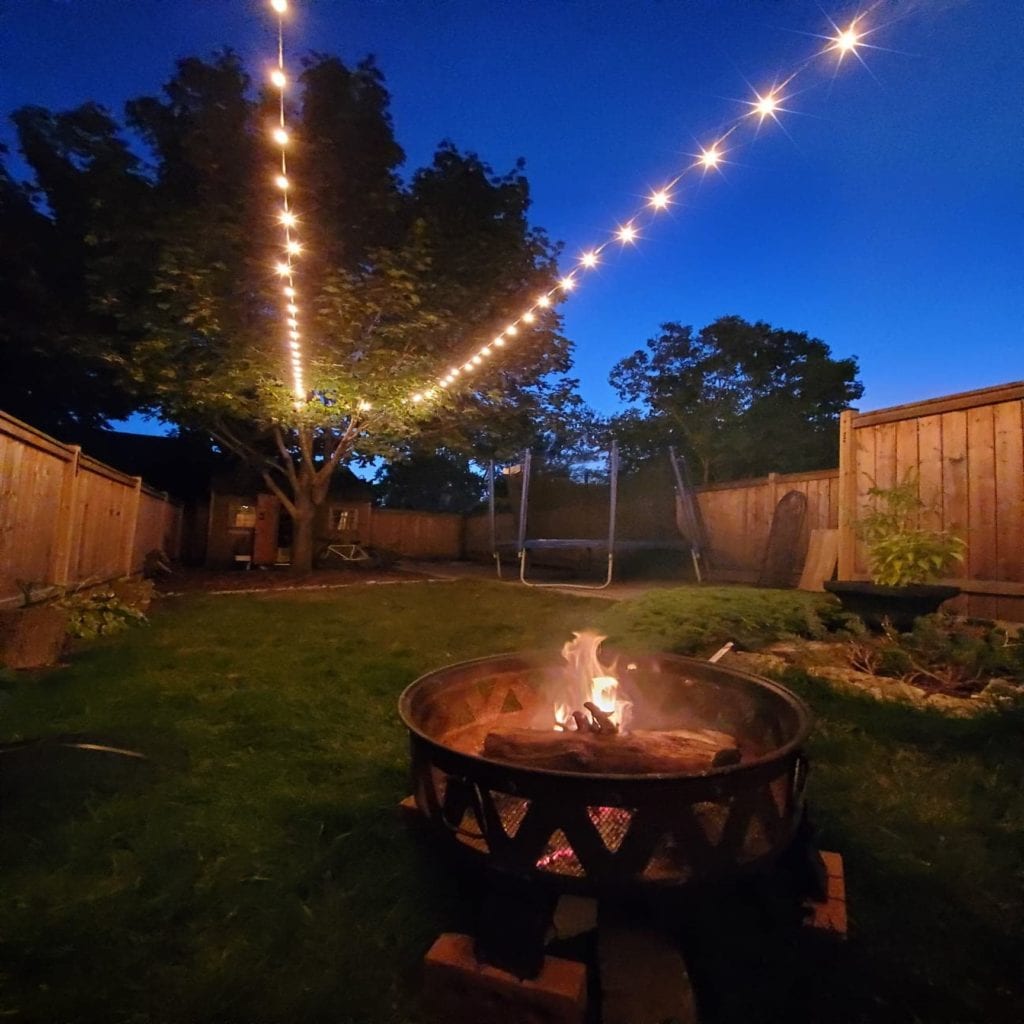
(264, 547)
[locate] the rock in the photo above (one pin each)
(1002, 693)
(955, 707)
(755, 662)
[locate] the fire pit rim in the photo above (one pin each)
(805, 719)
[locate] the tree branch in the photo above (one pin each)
(286, 455)
(275, 487)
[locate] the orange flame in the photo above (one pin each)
(589, 680)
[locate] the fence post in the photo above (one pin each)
(847, 495)
(131, 526)
(64, 545)
(773, 496)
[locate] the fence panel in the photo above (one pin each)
(417, 534)
(738, 517)
(966, 453)
(65, 518)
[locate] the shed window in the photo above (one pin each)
(242, 517)
(344, 519)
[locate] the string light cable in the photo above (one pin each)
(290, 246)
(840, 45)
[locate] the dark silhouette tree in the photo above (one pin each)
(737, 398)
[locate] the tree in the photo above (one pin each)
(55, 344)
(739, 399)
(399, 280)
(432, 481)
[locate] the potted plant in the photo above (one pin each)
(905, 559)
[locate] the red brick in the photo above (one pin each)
(459, 988)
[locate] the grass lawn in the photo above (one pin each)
(255, 871)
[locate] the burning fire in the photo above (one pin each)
(587, 680)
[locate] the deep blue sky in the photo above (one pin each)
(886, 219)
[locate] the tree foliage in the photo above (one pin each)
(400, 278)
(738, 399)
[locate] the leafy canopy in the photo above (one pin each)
(737, 398)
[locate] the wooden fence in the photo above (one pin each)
(738, 515)
(67, 519)
(417, 534)
(966, 453)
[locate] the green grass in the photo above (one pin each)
(255, 869)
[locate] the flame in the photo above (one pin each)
(589, 680)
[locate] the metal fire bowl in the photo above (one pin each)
(588, 832)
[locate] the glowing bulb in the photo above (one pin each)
(292, 308)
(454, 372)
(766, 106)
(627, 233)
(485, 351)
(294, 346)
(544, 301)
(283, 269)
(477, 360)
(288, 219)
(467, 367)
(280, 136)
(365, 406)
(528, 317)
(277, 78)
(589, 259)
(417, 397)
(710, 157)
(444, 383)
(290, 292)
(659, 200)
(499, 341)
(293, 323)
(281, 182)
(294, 335)
(512, 330)
(847, 42)
(279, 5)
(567, 283)
(293, 247)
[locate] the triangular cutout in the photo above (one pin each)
(510, 703)
(668, 862)
(510, 810)
(612, 824)
(712, 817)
(559, 857)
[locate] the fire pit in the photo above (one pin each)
(510, 768)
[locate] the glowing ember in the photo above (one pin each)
(588, 681)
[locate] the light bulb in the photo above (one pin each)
(589, 259)
(627, 233)
(659, 200)
(280, 136)
(710, 157)
(281, 182)
(277, 78)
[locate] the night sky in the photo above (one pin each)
(886, 218)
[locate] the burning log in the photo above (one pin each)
(635, 753)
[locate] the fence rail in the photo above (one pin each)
(67, 519)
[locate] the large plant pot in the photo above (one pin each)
(32, 637)
(900, 605)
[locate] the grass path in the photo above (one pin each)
(255, 870)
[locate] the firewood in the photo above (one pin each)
(635, 753)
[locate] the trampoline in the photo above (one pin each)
(604, 540)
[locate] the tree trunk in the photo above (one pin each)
(302, 533)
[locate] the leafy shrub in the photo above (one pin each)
(697, 620)
(99, 612)
(901, 551)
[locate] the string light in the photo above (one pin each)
(286, 216)
(842, 43)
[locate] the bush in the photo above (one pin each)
(99, 612)
(697, 620)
